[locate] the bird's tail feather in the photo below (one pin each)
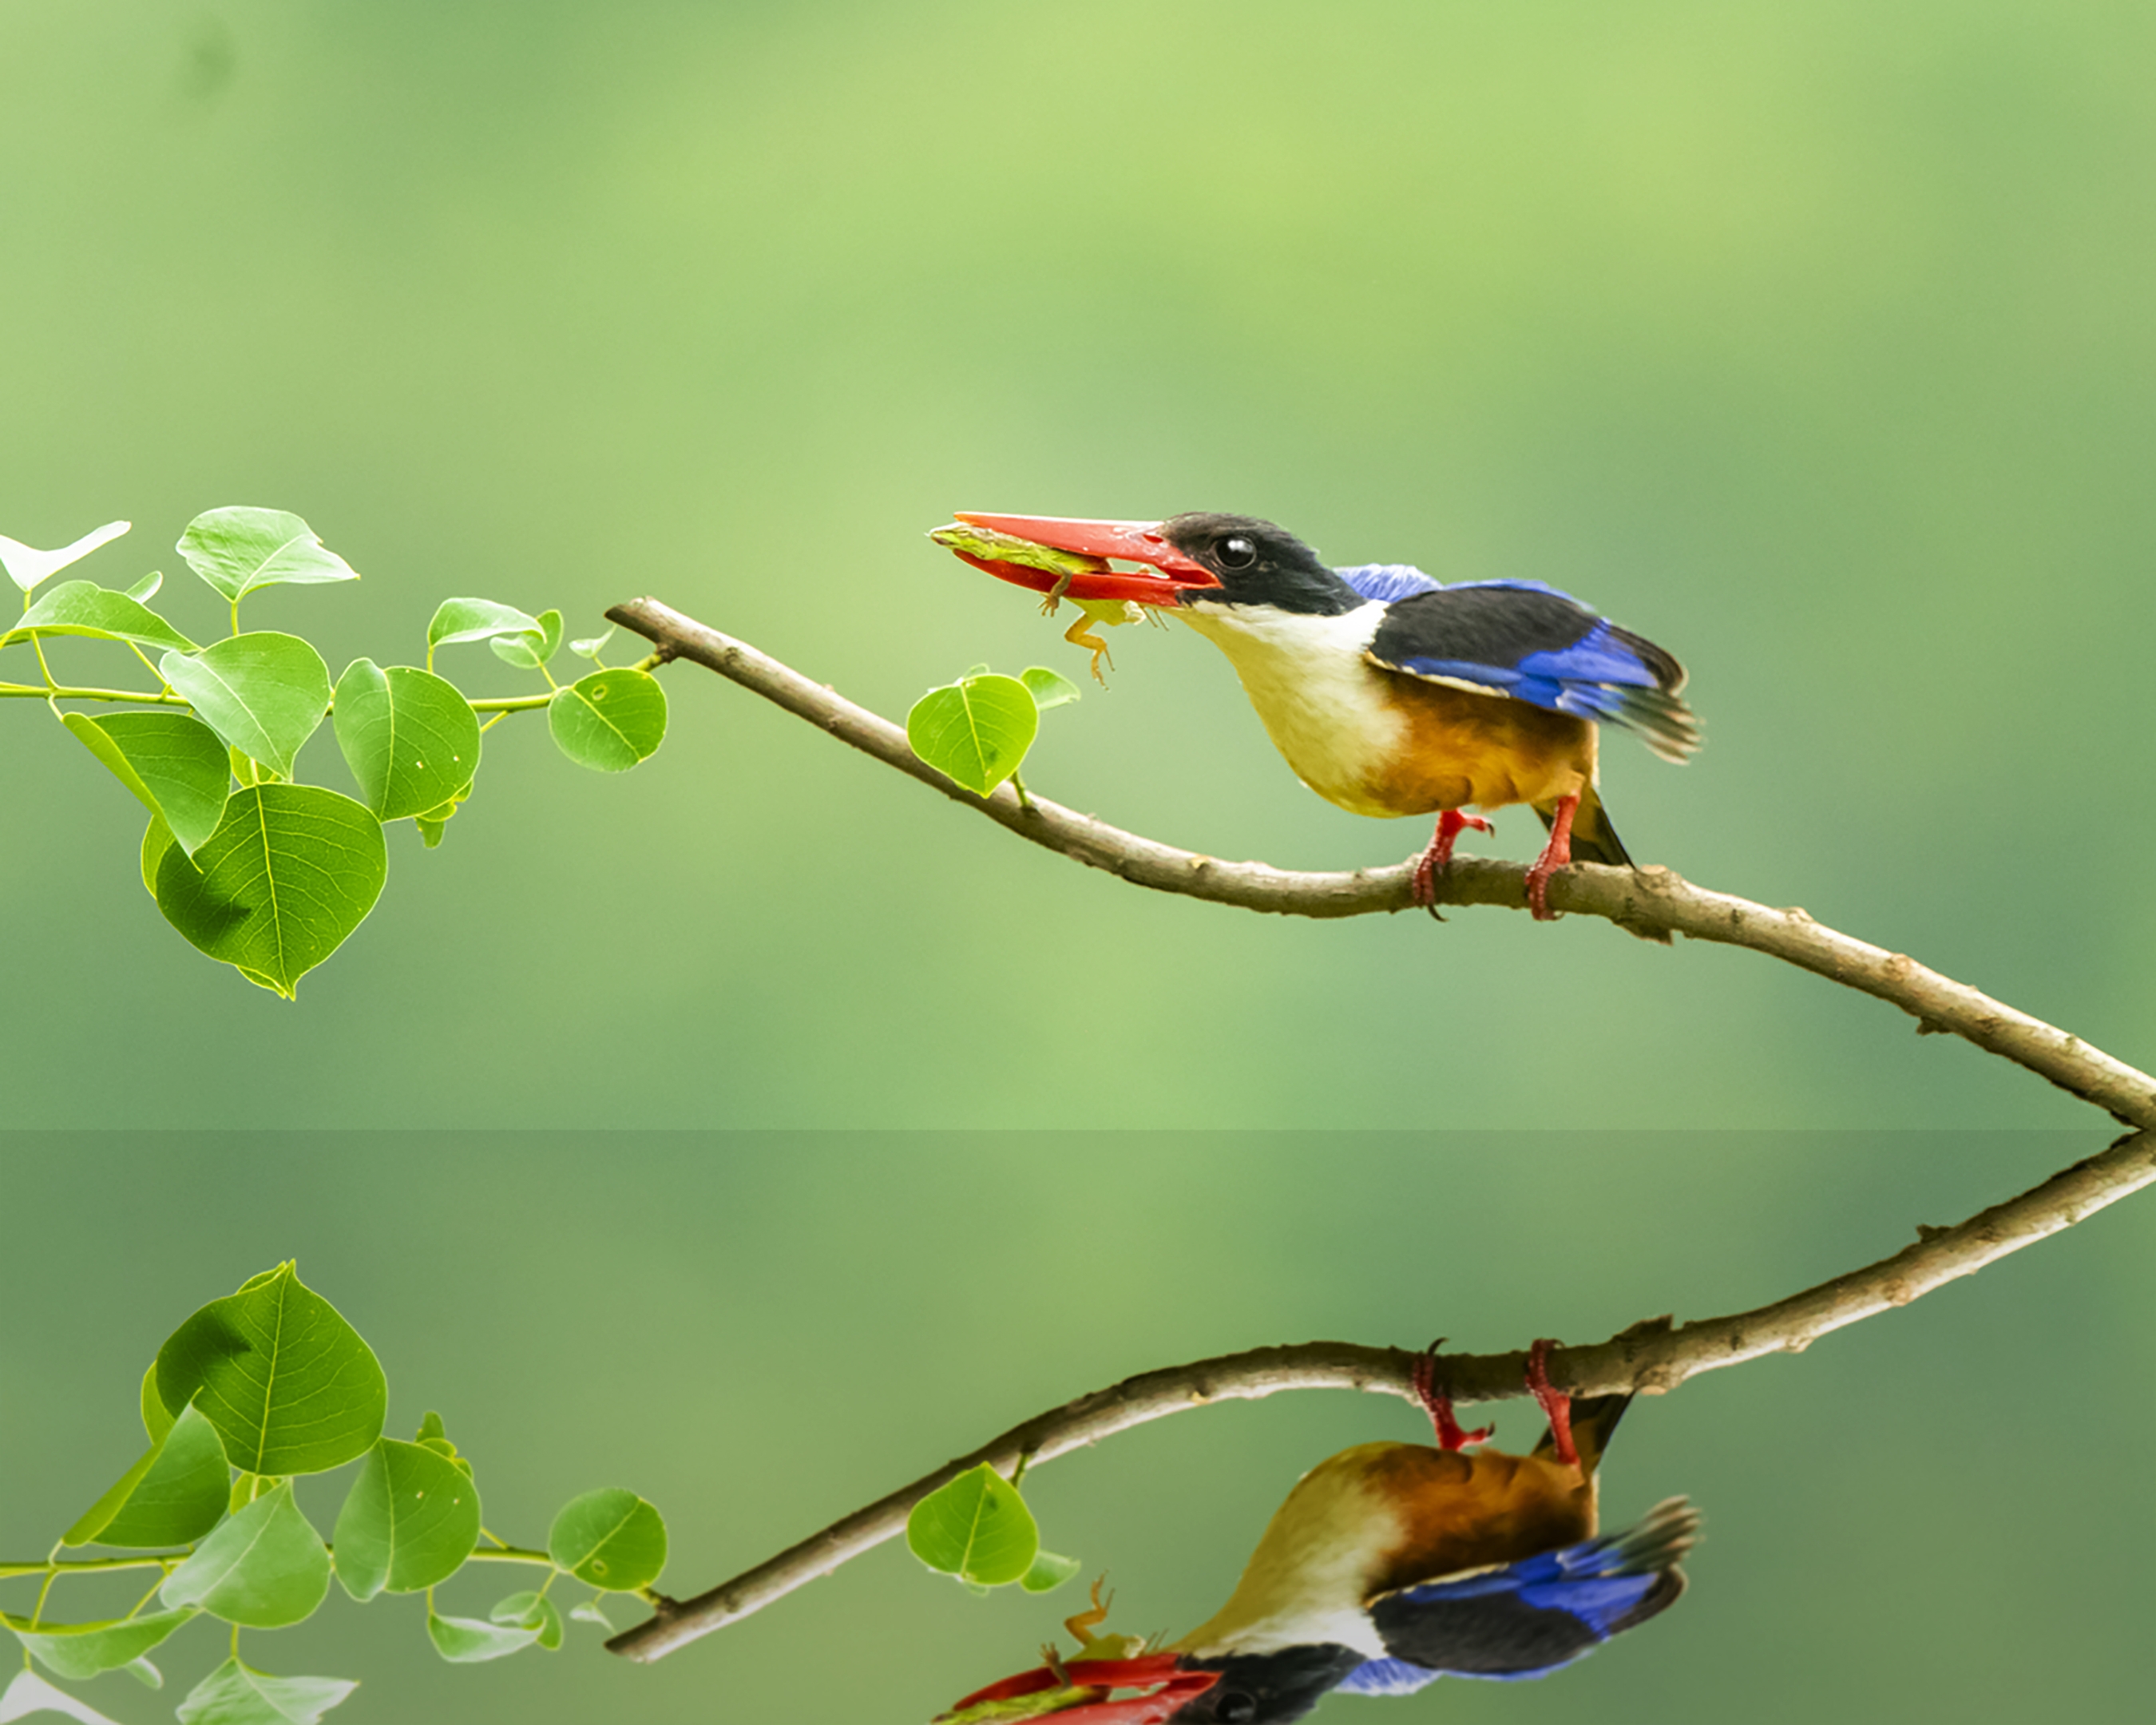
(1593, 1419)
(1593, 839)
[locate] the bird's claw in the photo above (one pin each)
(1556, 1404)
(1437, 858)
(1437, 1402)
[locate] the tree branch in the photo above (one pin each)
(1654, 900)
(1651, 1358)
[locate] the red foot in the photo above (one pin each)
(1555, 855)
(1555, 1402)
(1438, 858)
(1438, 1404)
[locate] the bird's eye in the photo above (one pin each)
(1238, 1707)
(1235, 553)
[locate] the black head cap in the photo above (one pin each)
(1258, 564)
(1265, 1688)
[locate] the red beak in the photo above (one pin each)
(1127, 542)
(1177, 1688)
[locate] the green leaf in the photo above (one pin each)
(173, 1496)
(611, 1538)
(26, 566)
(236, 1694)
(529, 652)
(156, 839)
(610, 720)
(239, 548)
(82, 608)
(157, 1417)
(290, 872)
(289, 1385)
(409, 1521)
(30, 1693)
(977, 1528)
(78, 1650)
(145, 589)
(411, 739)
(263, 1569)
(465, 1640)
(1048, 1573)
(591, 1611)
(1047, 688)
(434, 1436)
(431, 824)
(532, 1611)
(590, 646)
(477, 620)
(976, 731)
(173, 764)
(262, 693)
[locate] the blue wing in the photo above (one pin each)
(1529, 1618)
(1525, 640)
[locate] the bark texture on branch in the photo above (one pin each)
(1654, 900)
(1651, 1358)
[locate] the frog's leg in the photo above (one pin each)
(1081, 1626)
(1080, 634)
(1055, 593)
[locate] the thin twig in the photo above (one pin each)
(1653, 900)
(1651, 1358)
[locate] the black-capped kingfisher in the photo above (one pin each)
(1389, 693)
(1390, 1565)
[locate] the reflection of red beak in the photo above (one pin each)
(1126, 541)
(1176, 1686)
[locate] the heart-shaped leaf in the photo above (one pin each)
(410, 1520)
(173, 1496)
(976, 731)
(465, 1640)
(30, 1693)
(82, 608)
(610, 720)
(612, 1538)
(527, 652)
(288, 1384)
(263, 1569)
(78, 1650)
(411, 739)
(477, 620)
(977, 1528)
(27, 566)
(262, 693)
(1047, 688)
(1048, 1573)
(290, 872)
(532, 1611)
(239, 548)
(235, 1694)
(175, 765)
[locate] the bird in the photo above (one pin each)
(1388, 1565)
(1387, 692)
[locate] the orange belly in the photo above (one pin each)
(1467, 749)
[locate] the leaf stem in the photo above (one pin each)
(31, 692)
(511, 703)
(51, 1568)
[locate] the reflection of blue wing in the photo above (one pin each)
(1529, 642)
(1386, 581)
(1386, 1676)
(1528, 1618)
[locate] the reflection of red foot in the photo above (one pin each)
(1555, 1402)
(1436, 859)
(1438, 1404)
(1556, 853)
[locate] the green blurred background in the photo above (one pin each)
(1812, 341)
